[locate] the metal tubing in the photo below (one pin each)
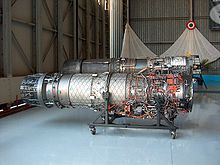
(7, 37)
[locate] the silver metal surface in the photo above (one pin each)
(87, 89)
(41, 88)
(49, 91)
(31, 89)
(178, 61)
(95, 66)
(99, 86)
(80, 89)
(123, 65)
(34, 90)
(63, 90)
(180, 92)
(166, 84)
(118, 88)
(104, 65)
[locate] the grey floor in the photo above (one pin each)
(62, 137)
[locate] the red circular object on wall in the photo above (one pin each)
(191, 25)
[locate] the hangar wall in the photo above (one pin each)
(41, 34)
(159, 23)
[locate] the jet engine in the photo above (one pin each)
(163, 88)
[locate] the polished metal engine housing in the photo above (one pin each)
(124, 65)
(166, 82)
(104, 65)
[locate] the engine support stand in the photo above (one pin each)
(109, 119)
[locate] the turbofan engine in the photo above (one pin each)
(164, 88)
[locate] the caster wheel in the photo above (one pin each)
(173, 134)
(93, 131)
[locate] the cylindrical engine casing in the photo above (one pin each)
(104, 65)
(33, 86)
(87, 89)
(63, 89)
(86, 66)
(83, 89)
(118, 87)
(80, 89)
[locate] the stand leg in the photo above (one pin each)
(106, 111)
(158, 117)
(203, 81)
(93, 130)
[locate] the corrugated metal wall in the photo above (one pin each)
(90, 33)
(201, 12)
(160, 22)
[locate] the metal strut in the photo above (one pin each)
(109, 119)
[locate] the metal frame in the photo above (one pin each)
(7, 111)
(200, 78)
(88, 26)
(109, 119)
(1, 40)
(38, 32)
(59, 24)
(7, 55)
(191, 10)
(75, 29)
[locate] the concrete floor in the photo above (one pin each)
(62, 137)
